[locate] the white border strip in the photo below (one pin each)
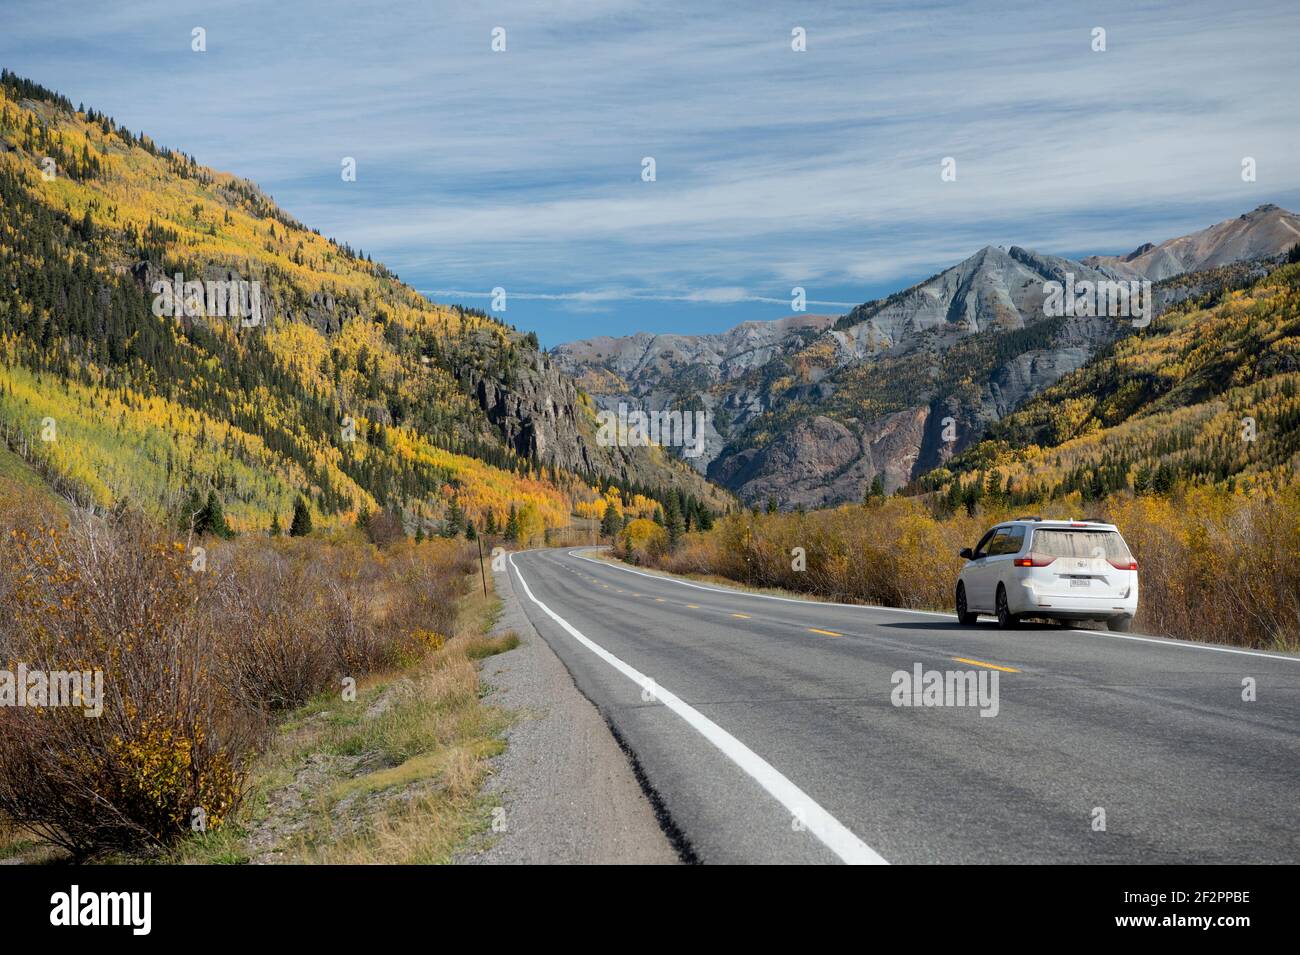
(834, 834)
(1160, 641)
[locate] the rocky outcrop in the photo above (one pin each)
(537, 415)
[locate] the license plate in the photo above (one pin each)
(1080, 582)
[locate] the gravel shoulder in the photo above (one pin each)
(568, 792)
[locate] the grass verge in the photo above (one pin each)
(394, 776)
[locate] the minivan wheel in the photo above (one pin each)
(964, 616)
(1006, 619)
(1120, 624)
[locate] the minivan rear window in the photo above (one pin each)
(1078, 542)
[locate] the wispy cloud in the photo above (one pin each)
(774, 168)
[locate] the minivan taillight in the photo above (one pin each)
(1124, 564)
(1034, 560)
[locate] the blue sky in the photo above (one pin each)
(522, 169)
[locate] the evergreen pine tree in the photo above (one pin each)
(673, 519)
(301, 525)
(455, 520)
(213, 517)
(610, 522)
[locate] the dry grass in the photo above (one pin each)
(393, 777)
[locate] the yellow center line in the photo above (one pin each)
(659, 600)
(829, 633)
(693, 606)
(742, 616)
(991, 666)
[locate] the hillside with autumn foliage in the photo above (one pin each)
(354, 393)
(1207, 396)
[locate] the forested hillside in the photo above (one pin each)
(1208, 395)
(353, 391)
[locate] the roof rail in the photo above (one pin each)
(1034, 518)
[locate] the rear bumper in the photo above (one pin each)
(1028, 600)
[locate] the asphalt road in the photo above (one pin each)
(770, 732)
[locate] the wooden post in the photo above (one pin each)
(478, 537)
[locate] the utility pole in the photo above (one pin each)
(478, 537)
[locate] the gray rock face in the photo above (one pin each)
(992, 291)
(654, 373)
(645, 362)
(536, 414)
(822, 461)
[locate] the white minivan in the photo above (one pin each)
(1061, 570)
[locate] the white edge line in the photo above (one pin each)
(833, 833)
(1177, 644)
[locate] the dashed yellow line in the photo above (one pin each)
(991, 666)
(829, 633)
(693, 606)
(660, 600)
(741, 616)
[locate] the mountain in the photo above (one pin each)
(1256, 235)
(1208, 395)
(335, 381)
(655, 372)
(897, 386)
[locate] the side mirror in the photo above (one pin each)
(966, 554)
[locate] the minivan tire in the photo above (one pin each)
(1006, 619)
(964, 617)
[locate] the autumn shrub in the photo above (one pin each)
(170, 748)
(266, 613)
(198, 650)
(424, 581)
(1217, 565)
(297, 615)
(894, 553)
(643, 542)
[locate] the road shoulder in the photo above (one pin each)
(568, 792)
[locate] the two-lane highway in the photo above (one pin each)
(767, 729)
